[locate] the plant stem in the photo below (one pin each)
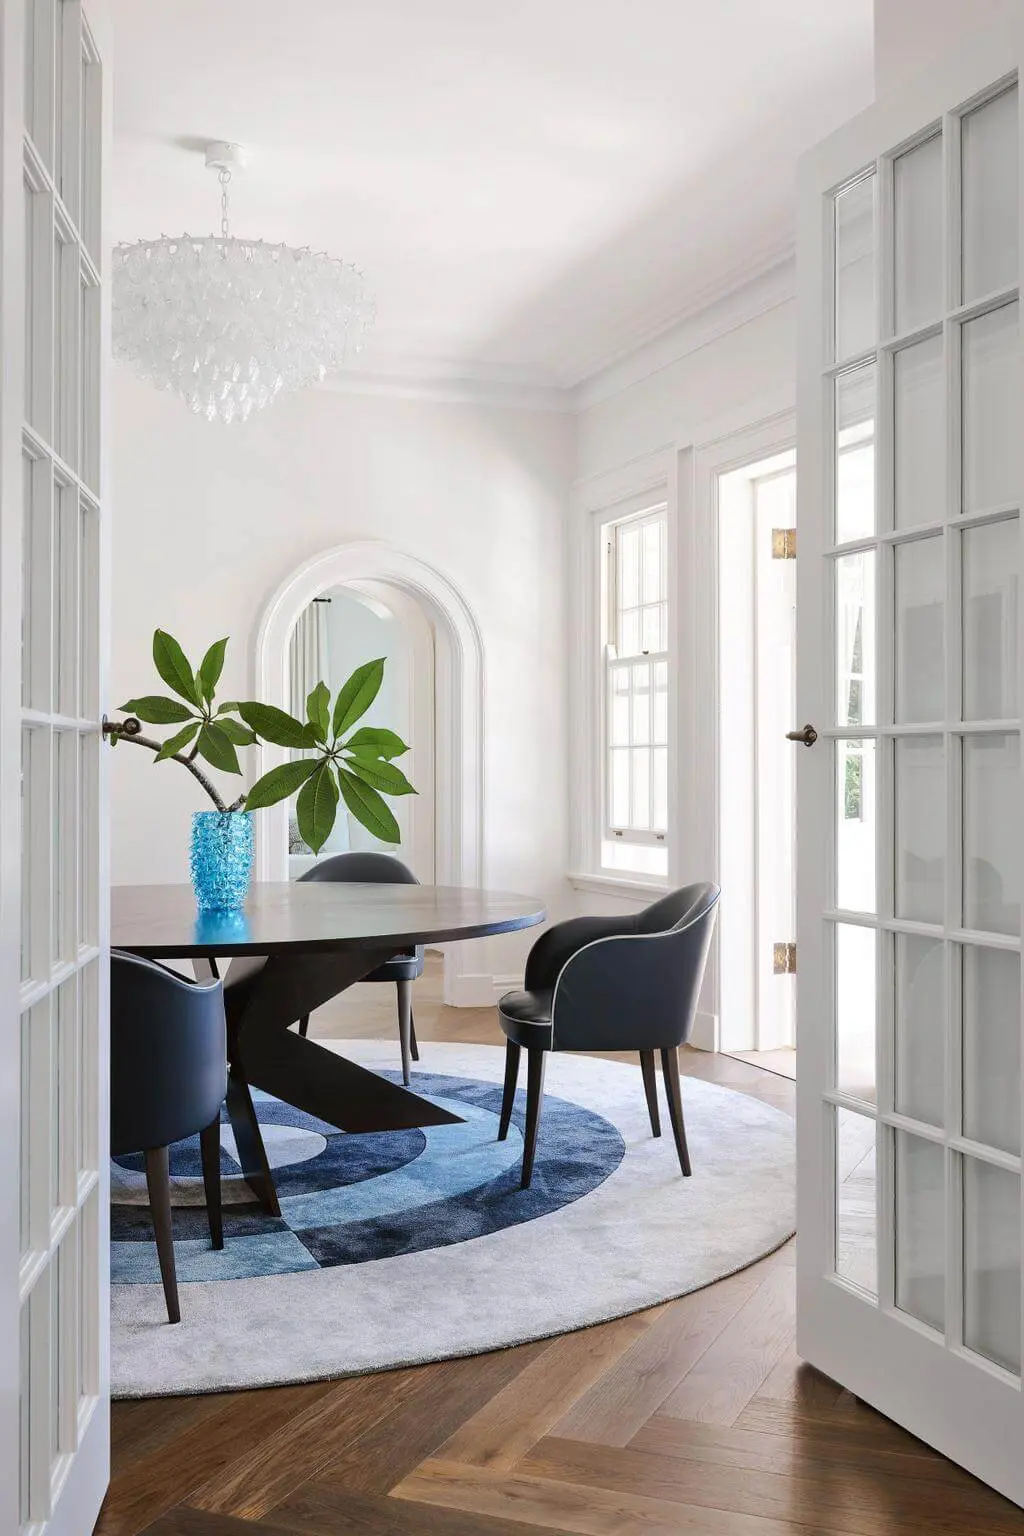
(179, 757)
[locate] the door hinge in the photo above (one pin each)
(783, 543)
(784, 959)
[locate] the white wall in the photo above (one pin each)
(734, 366)
(210, 521)
(911, 34)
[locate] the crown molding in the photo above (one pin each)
(740, 297)
(761, 287)
(453, 383)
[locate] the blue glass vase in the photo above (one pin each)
(220, 859)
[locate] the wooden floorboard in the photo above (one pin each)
(693, 1419)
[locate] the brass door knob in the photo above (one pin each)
(808, 735)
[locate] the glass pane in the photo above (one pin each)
(652, 562)
(991, 410)
(629, 633)
(920, 1029)
(992, 1263)
(652, 628)
(620, 708)
(920, 828)
(620, 788)
(88, 611)
(919, 446)
(920, 585)
(990, 563)
(920, 1229)
(661, 701)
(855, 639)
(855, 1011)
(855, 826)
(659, 812)
(88, 837)
(991, 1047)
(990, 194)
(855, 268)
(629, 567)
(36, 585)
(855, 454)
(992, 840)
(642, 704)
(65, 599)
(856, 1252)
(641, 787)
(918, 234)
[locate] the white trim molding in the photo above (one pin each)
(459, 724)
(618, 885)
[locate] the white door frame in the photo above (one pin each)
(699, 538)
(459, 723)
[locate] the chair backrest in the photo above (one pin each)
(168, 1054)
(638, 991)
(364, 868)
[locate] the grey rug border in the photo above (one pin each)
(413, 1362)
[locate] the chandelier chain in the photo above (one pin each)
(224, 177)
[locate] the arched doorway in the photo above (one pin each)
(377, 571)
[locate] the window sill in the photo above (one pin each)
(619, 885)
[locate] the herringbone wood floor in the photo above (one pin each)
(693, 1419)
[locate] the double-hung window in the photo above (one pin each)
(635, 747)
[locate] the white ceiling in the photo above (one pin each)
(532, 186)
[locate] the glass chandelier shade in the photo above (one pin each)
(229, 323)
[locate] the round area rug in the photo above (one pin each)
(401, 1247)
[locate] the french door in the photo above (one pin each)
(54, 1414)
(910, 867)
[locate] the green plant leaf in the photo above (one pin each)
(237, 732)
(175, 743)
(380, 775)
(368, 808)
(280, 783)
(224, 709)
(155, 709)
(318, 710)
(357, 695)
(210, 669)
(317, 807)
(274, 725)
(376, 741)
(169, 660)
(217, 747)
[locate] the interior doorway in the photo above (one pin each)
(757, 692)
(339, 630)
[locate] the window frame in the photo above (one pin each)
(650, 514)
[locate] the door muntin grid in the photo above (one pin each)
(60, 1161)
(928, 556)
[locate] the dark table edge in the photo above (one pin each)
(393, 941)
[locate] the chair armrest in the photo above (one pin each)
(560, 942)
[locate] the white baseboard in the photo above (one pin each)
(706, 1035)
(478, 989)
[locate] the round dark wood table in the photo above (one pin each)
(293, 948)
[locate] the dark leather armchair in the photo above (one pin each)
(381, 869)
(611, 984)
(168, 1078)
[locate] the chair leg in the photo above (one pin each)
(508, 1098)
(536, 1061)
(158, 1182)
(209, 1143)
(412, 1036)
(649, 1071)
(670, 1068)
(405, 1025)
(304, 1025)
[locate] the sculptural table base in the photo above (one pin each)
(263, 1052)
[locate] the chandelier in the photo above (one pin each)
(229, 323)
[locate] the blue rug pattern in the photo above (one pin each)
(349, 1199)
